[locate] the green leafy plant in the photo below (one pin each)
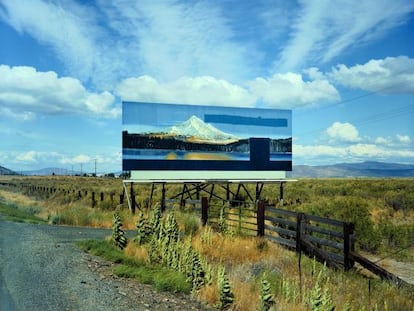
(144, 229)
(118, 235)
(267, 299)
(225, 293)
(320, 299)
(222, 220)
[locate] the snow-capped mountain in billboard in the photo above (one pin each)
(197, 128)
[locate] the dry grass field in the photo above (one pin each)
(382, 210)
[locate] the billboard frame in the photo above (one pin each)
(260, 165)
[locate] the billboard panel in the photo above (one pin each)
(170, 137)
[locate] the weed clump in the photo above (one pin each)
(118, 235)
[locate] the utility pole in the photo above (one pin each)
(95, 167)
(81, 169)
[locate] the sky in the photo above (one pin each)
(345, 68)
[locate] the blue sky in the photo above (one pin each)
(345, 68)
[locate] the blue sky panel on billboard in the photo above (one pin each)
(190, 137)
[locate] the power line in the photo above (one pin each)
(390, 114)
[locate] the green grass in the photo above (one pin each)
(161, 278)
(14, 213)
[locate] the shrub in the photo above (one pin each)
(355, 210)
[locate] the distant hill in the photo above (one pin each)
(48, 171)
(340, 170)
(6, 171)
(364, 169)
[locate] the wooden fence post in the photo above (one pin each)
(348, 244)
(260, 218)
(299, 220)
(121, 198)
(204, 210)
(93, 199)
(102, 196)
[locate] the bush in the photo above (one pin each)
(355, 210)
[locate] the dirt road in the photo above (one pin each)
(41, 269)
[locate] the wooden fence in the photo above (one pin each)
(46, 191)
(327, 239)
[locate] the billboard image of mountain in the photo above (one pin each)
(189, 137)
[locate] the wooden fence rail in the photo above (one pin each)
(327, 239)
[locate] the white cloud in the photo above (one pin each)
(345, 132)
(177, 39)
(63, 26)
(290, 90)
(405, 139)
(391, 75)
(108, 41)
(6, 112)
(25, 92)
(200, 90)
(29, 156)
(318, 151)
(34, 159)
(281, 90)
(323, 154)
(79, 159)
(382, 140)
(323, 29)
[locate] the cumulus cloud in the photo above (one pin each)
(392, 75)
(382, 140)
(405, 139)
(25, 92)
(351, 153)
(290, 90)
(78, 159)
(30, 156)
(199, 90)
(35, 159)
(345, 132)
(281, 91)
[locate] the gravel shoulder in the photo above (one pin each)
(41, 269)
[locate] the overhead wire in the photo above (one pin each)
(376, 117)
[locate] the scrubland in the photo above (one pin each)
(254, 268)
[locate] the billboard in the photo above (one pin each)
(189, 138)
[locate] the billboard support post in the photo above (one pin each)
(132, 199)
(163, 198)
(204, 210)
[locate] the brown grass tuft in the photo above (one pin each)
(208, 294)
(136, 251)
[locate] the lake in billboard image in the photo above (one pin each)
(190, 137)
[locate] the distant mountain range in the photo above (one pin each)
(6, 171)
(341, 170)
(49, 171)
(364, 169)
(197, 128)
